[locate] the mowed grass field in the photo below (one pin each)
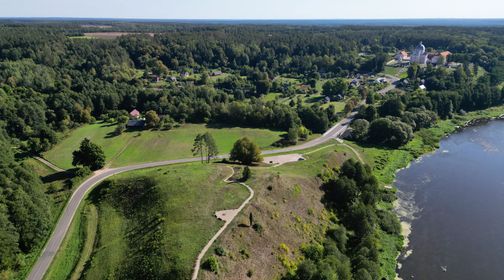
(152, 223)
(152, 145)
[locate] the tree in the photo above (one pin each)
(292, 135)
(392, 107)
(335, 87)
(245, 151)
(413, 71)
(359, 129)
(388, 132)
(122, 119)
(199, 146)
(89, 154)
(120, 128)
(211, 146)
(152, 119)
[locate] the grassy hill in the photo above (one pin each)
(288, 207)
(150, 145)
(151, 222)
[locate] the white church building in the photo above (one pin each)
(422, 57)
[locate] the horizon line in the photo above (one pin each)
(247, 19)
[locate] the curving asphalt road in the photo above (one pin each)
(54, 243)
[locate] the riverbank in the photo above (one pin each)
(387, 162)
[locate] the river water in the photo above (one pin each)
(454, 200)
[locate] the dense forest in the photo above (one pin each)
(52, 80)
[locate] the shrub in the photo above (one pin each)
(212, 264)
(258, 228)
(313, 251)
(219, 251)
(246, 174)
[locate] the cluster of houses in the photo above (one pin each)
(420, 56)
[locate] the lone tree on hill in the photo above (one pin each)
(90, 155)
(198, 146)
(211, 146)
(204, 144)
(245, 151)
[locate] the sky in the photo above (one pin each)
(253, 9)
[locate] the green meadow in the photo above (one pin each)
(151, 222)
(152, 145)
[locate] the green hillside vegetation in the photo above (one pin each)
(151, 223)
(152, 145)
(293, 221)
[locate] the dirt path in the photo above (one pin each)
(228, 219)
(49, 164)
(353, 150)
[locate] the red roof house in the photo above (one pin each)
(135, 114)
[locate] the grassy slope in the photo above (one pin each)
(188, 195)
(291, 213)
(146, 146)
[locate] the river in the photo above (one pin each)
(454, 201)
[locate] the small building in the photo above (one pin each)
(154, 78)
(216, 73)
(185, 75)
(135, 114)
(135, 123)
(422, 87)
(402, 57)
(172, 79)
(326, 100)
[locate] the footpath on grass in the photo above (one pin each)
(228, 220)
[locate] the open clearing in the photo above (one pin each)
(151, 229)
(149, 145)
(110, 35)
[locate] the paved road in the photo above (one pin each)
(54, 243)
(393, 82)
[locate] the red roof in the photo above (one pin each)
(135, 113)
(445, 53)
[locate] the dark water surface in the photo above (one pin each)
(459, 195)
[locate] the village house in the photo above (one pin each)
(135, 120)
(135, 114)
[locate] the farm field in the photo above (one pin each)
(151, 222)
(147, 145)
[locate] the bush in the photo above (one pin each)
(258, 228)
(219, 251)
(246, 174)
(389, 223)
(313, 251)
(212, 264)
